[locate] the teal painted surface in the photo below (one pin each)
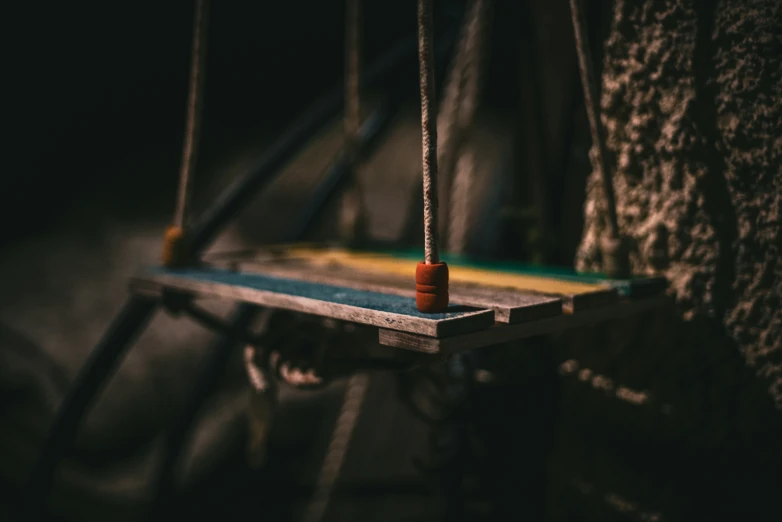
(333, 294)
(632, 287)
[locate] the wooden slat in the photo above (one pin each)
(508, 306)
(380, 262)
(575, 296)
(347, 304)
(501, 333)
(556, 280)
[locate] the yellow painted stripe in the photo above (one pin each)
(385, 263)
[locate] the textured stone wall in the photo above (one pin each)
(692, 106)
(692, 102)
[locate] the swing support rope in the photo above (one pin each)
(459, 108)
(428, 131)
(431, 275)
(615, 257)
(355, 392)
(353, 58)
(175, 248)
(353, 216)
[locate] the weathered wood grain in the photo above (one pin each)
(577, 294)
(508, 306)
(502, 333)
(347, 304)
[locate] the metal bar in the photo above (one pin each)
(99, 367)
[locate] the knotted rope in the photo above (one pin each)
(175, 248)
(352, 230)
(431, 276)
(428, 130)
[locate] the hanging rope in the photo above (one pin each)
(353, 217)
(175, 248)
(615, 260)
(353, 43)
(461, 194)
(431, 275)
(447, 123)
(338, 447)
(457, 169)
(428, 130)
(261, 408)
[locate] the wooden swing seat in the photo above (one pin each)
(491, 303)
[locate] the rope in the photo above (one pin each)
(461, 194)
(447, 122)
(338, 447)
(353, 38)
(589, 85)
(194, 112)
(428, 130)
(352, 218)
(176, 247)
(457, 170)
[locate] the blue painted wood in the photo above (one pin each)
(332, 294)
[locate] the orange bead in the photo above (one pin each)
(174, 247)
(431, 287)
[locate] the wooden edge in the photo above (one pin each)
(501, 333)
(633, 288)
(509, 306)
(472, 295)
(597, 299)
(466, 322)
(640, 288)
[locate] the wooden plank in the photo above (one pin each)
(501, 333)
(347, 304)
(638, 286)
(575, 296)
(508, 306)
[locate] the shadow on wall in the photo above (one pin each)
(664, 420)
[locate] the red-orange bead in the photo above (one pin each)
(431, 287)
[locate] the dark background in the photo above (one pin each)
(97, 94)
(99, 90)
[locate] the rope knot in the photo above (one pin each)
(175, 247)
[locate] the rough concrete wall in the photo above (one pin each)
(692, 110)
